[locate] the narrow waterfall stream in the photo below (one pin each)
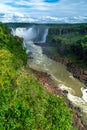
(64, 79)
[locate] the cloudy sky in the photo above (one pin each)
(43, 11)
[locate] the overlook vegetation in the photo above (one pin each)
(69, 41)
(24, 104)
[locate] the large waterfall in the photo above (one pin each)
(36, 34)
(64, 80)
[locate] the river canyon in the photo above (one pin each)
(77, 91)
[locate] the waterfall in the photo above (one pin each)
(45, 35)
(18, 32)
(34, 33)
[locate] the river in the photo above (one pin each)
(77, 91)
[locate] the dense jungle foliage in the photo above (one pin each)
(24, 104)
(69, 41)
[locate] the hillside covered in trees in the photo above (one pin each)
(67, 43)
(24, 104)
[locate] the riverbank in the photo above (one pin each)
(77, 72)
(51, 87)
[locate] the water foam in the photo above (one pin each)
(84, 92)
(77, 101)
(80, 102)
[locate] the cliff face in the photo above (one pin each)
(78, 72)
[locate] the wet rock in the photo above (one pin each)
(30, 57)
(65, 92)
(85, 72)
(78, 109)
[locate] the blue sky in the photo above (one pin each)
(43, 9)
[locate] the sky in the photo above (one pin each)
(68, 11)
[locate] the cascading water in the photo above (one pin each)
(45, 35)
(65, 81)
(34, 33)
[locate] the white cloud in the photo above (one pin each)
(5, 8)
(64, 10)
(17, 17)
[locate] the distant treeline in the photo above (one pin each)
(25, 24)
(69, 40)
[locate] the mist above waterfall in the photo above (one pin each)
(36, 33)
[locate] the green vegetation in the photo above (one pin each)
(69, 41)
(24, 104)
